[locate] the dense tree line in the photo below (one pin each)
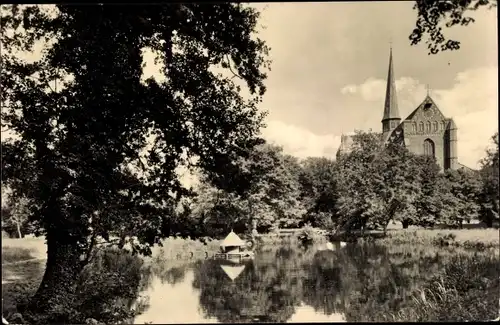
(366, 188)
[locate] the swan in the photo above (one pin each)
(329, 246)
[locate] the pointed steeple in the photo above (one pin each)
(391, 110)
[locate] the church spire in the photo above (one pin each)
(391, 111)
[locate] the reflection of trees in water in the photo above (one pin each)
(323, 283)
(269, 286)
(166, 270)
(373, 282)
(172, 275)
(365, 282)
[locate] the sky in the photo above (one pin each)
(330, 62)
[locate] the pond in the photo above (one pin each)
(285, 283)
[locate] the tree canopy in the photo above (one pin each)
(96, 145)
(433, 15)
(271, 198)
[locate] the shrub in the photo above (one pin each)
(105, 292)
(108, 287)
(307, 236)
(444, 240)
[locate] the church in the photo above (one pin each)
(426, 131)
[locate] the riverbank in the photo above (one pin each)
(467, 283)
(23, 265)
(461, 283)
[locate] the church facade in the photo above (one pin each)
(426, 131)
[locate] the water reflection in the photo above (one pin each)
(173, 303)
(290, 284)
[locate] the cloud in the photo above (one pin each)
(473, 104)
(409, 91)
(472, 101)
(300, 142)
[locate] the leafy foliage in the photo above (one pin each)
(15, 216)
(461, 189)
(271, 197)
(489, 194)
(97, 147)
(433, 14)
(428, 203)
(377, 183)
(318, 184)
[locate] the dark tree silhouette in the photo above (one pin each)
(433, 14)
(99, 151)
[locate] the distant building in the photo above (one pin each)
(425, 131)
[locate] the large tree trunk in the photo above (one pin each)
(56, 292)
(406, 224)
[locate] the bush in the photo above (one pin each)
(444, 240)
(308, 236)
(105, 292)
(107, 287)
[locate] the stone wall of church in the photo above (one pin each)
(418, 130)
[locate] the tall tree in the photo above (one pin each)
(15, 215)
(433, 14)
(462, 188)
(271, 197)
(75, 142)
(489, 195)
(354, 186)
(377, 183)
(428, 203)
(318, 186)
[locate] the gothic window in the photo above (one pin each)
(421, 127)
(442, 126)
(428, 128)
(429, 149)
(435, 126)
(414, 127)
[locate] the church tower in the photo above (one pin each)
(391, 117)
(451, 161)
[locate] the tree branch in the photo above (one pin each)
(231, 69)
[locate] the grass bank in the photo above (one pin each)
(475, 239)
(23, 265)
(458, 274)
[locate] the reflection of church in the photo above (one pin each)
(425, 131)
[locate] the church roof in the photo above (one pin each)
(391, 110)
(465, 167)
(426, 102)
(232, 240)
